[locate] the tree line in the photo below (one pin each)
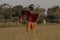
(13, 13)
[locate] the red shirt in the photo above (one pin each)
(32, 17)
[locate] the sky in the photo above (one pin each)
(43, 3)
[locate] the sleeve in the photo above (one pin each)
(21, 17)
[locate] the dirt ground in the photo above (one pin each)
(43, 32)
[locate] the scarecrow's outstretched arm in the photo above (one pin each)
(21, 18)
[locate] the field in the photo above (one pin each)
(43, 32)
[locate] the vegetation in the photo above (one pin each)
(42, 32)
(10, 13)
(53, 14)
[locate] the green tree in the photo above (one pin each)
(17, 12)
(53, 14)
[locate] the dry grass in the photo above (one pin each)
(43, 32)
(9, 24)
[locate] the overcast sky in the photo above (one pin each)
(43, 3)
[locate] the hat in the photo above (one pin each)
(31, 6)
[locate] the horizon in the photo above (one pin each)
(43, 3)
